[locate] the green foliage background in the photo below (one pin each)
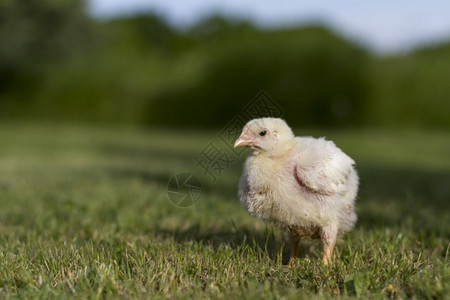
(58, 63)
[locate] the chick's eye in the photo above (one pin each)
(263, 133)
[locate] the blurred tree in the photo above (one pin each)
(57, 62)
(217, 28)
(143, 33)
(411, 89)
(316, 77)
(33, 32)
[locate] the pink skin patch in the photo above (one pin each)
(299, 181)
(276, 137)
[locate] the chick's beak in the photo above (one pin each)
(243, 140)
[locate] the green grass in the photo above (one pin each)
(84, 214)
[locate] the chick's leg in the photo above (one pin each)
(327, 252)
(328, 241)
(294, 247)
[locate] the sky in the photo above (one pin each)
(384, 25)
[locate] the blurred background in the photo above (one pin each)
(197, 63)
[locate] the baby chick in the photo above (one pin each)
(303, 184)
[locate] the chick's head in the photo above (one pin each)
(266, 135)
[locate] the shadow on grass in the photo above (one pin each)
(265, 242)
(406, 188)
(381, 183)
(148, 156)
(409, 186)
(393, 197)
(146, 153)
(140, 174)
(388, 197)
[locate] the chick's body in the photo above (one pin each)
(305, 185)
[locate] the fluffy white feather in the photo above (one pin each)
(306, 185)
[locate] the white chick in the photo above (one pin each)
(303, 184)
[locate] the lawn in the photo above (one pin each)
(85, 214)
